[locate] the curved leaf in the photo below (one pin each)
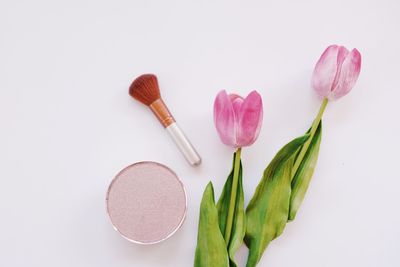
(239, 222)
(211, 247)
(303, 175)
(267, 212)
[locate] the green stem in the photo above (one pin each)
(232, 202)
(314, 127)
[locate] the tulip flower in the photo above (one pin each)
(286, 179)
(238, 121)
(336, 72)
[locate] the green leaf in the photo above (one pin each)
(267, 212)
(211, 247)
(303, 175)
(239, 222)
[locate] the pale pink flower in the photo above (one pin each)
(336, 72)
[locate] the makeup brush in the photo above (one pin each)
(145, 89)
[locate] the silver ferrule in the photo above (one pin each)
(183, 144)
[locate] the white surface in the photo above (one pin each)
(68, 125)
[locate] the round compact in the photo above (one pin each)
(146, 202)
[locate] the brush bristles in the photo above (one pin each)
(145, 89)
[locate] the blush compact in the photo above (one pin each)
(146, 202)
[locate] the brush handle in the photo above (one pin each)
(167, 120)
(183, 144)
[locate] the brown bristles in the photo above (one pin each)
(145, 89)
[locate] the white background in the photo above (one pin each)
(68, 124)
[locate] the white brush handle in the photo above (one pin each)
(183, 144)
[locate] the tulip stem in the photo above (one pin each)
(232, 202)
(314, 127)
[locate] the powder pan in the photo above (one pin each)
(146, 202)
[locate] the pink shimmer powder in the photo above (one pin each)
(146, 202)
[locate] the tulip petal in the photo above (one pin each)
(224, 119)
(325, 71)
(341, 56)
(250, 119)
(348, 75)
(233, 97)
(237, 104)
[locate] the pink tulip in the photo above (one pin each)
(336, 72)
(238, 121)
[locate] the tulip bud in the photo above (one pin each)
(336, 72)
(238, 121)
